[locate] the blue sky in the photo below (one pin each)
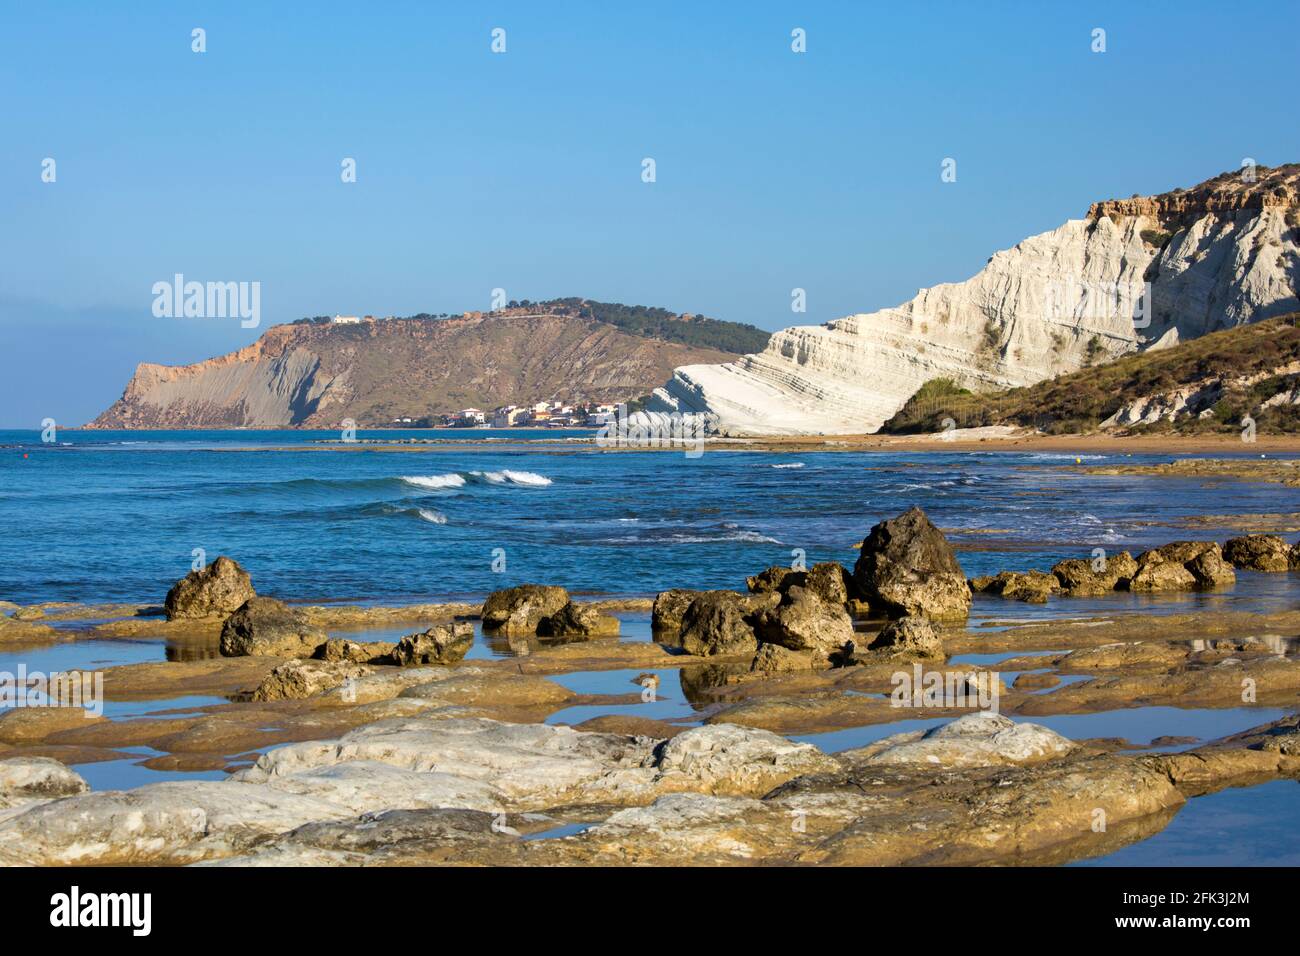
(522, 170)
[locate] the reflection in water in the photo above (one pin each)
(1248, 826)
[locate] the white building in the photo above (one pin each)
(346, 320)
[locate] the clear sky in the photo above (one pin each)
(523, 170)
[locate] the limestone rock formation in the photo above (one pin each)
(440, 644)
(1182, 566)
(215, 591)
(1033, 587)
(576, 622)
(907, 566)
(1086, 578)
(666, 614)
(1259, 552)
(1217, 255)
(517, 611)
(263, 626)
(976, 740)
(722, 622)
(804, 622)
(911, 637)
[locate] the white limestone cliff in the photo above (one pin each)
(1215, 256)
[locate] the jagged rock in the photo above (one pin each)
(666, 615)
(440, 644)
(265, 627)
(830, 581)
(217, 591)
(1210, 569)
(1033, 587)
(773, 579)
(1080, 578)
(1258, 552)
(804, 622)
(775, 659)
(908, 567)
(1181, 566)
(297, 679)
(911, 636)
(722, 622)
(1154, 574)
(33, 777)
(975, 740)
(517, 610)
(827, 579)
(575, 621)
(340, 649)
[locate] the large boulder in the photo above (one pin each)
(804, 622)
(910, 637)
(722, 622)
(1080, 577)
(440, 644)
(1033, 587)
(265, 627)
(518, 610)
(907, 567)
(578, 622)
(1258, 552)
(217, 591)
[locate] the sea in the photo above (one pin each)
(407, 516)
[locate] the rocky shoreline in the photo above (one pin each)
(343, 751)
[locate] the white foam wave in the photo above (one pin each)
(508, 477)
(434, 517)
(452, 480)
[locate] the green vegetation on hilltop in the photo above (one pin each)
(1080, 401)
(644, 321)
(654, 323)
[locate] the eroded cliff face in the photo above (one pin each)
(318, 375)
(1215, 256)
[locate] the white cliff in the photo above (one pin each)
(1215, 256)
